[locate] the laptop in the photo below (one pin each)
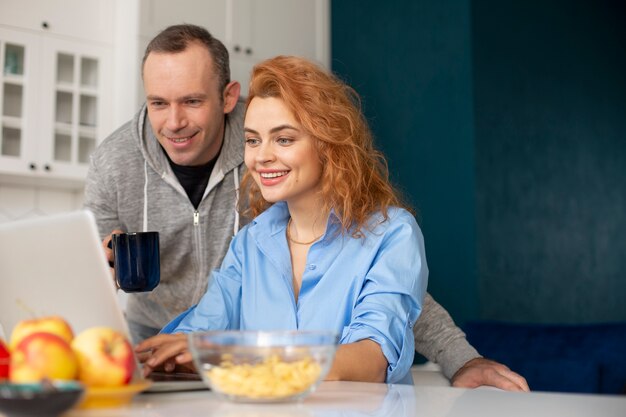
(54, 265)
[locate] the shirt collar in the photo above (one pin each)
(274, 221)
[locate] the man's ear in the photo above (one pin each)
(231, 95)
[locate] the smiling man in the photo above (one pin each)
(186, 103)
(175, 168)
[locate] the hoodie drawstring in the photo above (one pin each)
(145, 196)
(236, 179)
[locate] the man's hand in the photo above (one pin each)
(167, 350)
(108, 251)
(481, 371)
(106, 245)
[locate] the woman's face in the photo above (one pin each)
(280, 155)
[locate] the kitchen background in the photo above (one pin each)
(503, 122)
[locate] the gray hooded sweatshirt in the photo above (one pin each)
(131, 186)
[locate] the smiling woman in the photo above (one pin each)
(281, 156)
(329, 248)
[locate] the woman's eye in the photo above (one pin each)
(284, 141)
(251, 141)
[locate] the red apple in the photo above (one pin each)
(4, 360)
(105, 357)
(42, 355)
(52, 324)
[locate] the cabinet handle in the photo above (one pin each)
(32, 166)
(248, 51)
(44, 25)
(47, 167)
(237, 48)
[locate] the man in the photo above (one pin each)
(175, 168)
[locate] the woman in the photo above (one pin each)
(329, 246)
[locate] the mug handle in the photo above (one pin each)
(110, 246)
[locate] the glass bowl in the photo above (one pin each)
(257, 366)
(47, 398)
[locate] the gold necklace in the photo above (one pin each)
(295, 241)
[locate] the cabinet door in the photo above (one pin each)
(81, 19)
(271, 27)
(19, 87)
(76, 91)
(156, 15)
(264, 29)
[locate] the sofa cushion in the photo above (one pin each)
(564, 358)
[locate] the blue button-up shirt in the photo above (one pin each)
(363, 288)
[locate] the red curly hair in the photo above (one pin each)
(355, 179)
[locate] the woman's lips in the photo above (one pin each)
(269, 178)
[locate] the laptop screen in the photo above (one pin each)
(55, 265)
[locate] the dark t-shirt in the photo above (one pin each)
(194, 179)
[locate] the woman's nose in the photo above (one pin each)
(265, 153)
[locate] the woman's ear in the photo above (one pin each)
(231, 95)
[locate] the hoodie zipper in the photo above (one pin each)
(200, 259)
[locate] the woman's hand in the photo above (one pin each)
(167, 350)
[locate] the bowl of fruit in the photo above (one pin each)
(47, 362)
(44, 398)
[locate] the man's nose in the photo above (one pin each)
(176, 118)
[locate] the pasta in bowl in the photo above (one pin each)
(256, 366)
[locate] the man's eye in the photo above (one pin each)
(193, 102)
(157, 103)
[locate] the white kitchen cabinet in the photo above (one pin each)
(156, 15)
(252, 30)
(55, 106)
(262, 29)
(87, 20)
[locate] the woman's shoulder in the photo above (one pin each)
(394, 216)
(395, 220)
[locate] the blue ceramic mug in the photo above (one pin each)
(136, 261)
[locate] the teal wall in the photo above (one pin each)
(550, 106)
(504, 123)
(410, 61)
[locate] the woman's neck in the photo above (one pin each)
(307, 223)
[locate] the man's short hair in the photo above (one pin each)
(178, 37)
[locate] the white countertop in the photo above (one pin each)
(352, 399)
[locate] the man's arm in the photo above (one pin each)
(100, 200)
(442, 342)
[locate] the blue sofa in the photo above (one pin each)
(562, 358)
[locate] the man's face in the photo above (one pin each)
(185, 107)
